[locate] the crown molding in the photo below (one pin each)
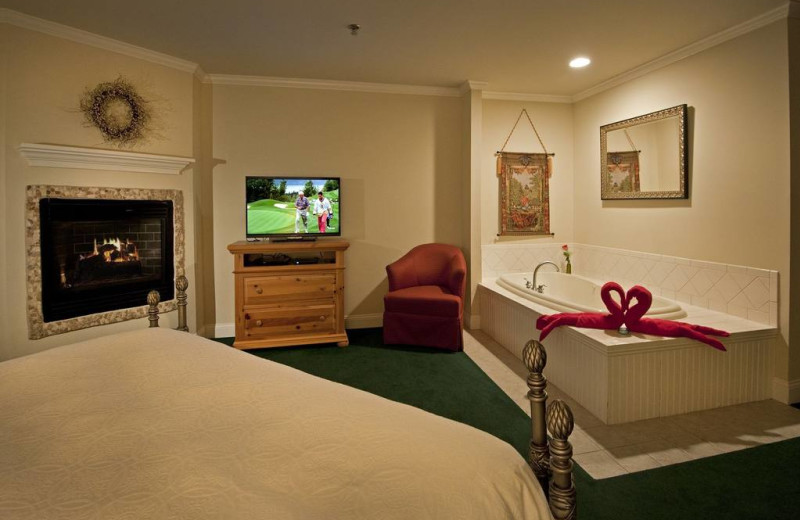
(57, 156)
(95, 40)
(758, 22)
(789, 10)
(516, 96)
(470, 85)
(200, 75)
(321, 84)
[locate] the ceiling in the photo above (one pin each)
(519, 46)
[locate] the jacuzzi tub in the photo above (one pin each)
(573, 293)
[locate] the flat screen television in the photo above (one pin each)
(275, 208)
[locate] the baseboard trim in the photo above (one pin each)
(787, 392)
(363, 321)
(473, 322)
(224, 330)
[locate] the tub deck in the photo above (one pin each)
(628, 378)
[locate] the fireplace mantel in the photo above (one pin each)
(58, 156)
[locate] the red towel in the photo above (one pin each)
(636, 323)
(631, 316)
(589, 320)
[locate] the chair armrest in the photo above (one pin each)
(402, 273)
(458, 276)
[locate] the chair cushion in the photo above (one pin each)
(431, 300)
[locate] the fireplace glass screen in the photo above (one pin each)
(103, 255)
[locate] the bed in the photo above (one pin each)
(158, 423)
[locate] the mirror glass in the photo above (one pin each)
(645, 157)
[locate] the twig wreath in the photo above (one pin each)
(118, 111)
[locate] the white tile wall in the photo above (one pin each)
(741, 291)
(499, 259)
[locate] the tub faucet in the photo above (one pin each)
(540, 288)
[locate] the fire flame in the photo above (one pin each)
(127, 250)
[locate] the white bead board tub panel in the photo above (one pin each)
(573, 366)
(746, 292)
(623, 383)
(688, 376)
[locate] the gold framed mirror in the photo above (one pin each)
(645, 157)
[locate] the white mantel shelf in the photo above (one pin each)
(57, 156)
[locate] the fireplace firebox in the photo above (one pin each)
(101, 255)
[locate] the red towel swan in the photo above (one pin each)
(636, 323)
(631, 316)
(589, 320)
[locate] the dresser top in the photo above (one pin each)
(245, 246)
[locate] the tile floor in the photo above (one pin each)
(608, 451)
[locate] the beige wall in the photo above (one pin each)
(402, 162)
(738, 207)
(471, 137)
(554, 123)
(203, 204)
(793, 27)
(4, 37)
(204, 212)
(43, 79)
(399, 157)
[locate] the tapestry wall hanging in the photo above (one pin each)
(524, 190)
(623, 172)
(524, 193)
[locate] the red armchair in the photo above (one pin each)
(425, 302)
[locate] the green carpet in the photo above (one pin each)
(757, 483)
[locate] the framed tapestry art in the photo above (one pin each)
(623, 172)
(524, 193)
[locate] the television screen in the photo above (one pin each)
(286, 206)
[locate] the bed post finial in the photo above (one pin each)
(181, 284)
(152, 300)
(560, 422)
(535, 358)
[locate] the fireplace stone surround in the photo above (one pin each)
(37, 327)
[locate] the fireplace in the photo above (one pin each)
(100, 255)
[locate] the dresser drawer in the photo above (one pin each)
(285, 289)
(288, 321)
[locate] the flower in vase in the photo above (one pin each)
(567, 253)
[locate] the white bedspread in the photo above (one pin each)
(159, 424)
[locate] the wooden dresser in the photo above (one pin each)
(289, 293)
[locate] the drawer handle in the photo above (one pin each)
(259, 290)
(247, 316)
(322, 318)
(258, 323)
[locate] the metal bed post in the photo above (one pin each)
(550, 460)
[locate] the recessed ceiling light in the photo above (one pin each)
(578, 63)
